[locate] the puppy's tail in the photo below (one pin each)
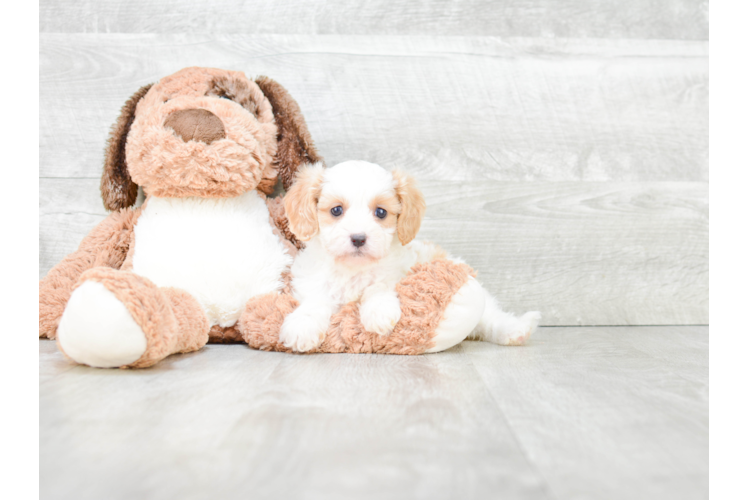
(504, 328)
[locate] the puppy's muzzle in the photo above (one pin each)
(196, 125)
(358, 240)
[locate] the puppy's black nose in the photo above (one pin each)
(358, 240)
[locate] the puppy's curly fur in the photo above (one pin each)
(360, 221)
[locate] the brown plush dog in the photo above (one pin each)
(206, 256)
(206, 146)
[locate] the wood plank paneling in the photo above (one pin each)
(228, 422)
(68, 210)
(600, 413)
(626, 408)
(714, 202)
(583, 253)
(664, 19)
(459, 108)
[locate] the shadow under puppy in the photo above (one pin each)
(360, 222)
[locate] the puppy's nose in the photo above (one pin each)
(196, 125)
(358, 240)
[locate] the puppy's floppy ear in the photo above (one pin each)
(413, 207)
(301, 200)
(117, 188)
(295, 145)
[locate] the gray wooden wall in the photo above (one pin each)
(562, 145)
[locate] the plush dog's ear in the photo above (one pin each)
(413, 207)
(295, 145)
(301, 200)
(117, 188)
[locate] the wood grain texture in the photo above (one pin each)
(664, 19)
(714, 202)
(627, 408)
(448, 108)
(583, 253)
(614, 413)
(570, 173)
(68, 210)
(232, 423)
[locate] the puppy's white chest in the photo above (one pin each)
(349, 288)
(222, 251)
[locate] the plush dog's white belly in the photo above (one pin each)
(222, 251)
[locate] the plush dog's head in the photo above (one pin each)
(356, 208)
(205, 132)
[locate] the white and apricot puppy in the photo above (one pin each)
(359, 222)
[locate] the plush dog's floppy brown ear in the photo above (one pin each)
(295, 145)
(117, 188)
(413, 207)
(301, 200)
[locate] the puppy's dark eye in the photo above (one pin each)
(224, 97)
(337, 211)
(381, 213)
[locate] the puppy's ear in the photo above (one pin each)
(117, 188)
(301, 200)
(413, 207)
(295, 145)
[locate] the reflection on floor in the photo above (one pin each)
(595, 412)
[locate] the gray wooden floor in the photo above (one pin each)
(578, 413)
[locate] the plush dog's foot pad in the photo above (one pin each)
(424, 294)
(461, 316)
(97, 330)
(113, 315)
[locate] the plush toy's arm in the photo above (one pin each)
(438, 310)
(106, 245)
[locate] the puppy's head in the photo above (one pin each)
(356, 208)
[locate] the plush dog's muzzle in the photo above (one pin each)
(196, 125)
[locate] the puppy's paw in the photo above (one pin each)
(380, 313)
(302, 331)
(528, 324)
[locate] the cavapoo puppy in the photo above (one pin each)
(359, 222)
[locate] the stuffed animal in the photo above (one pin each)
(206, 256)
(440, 301)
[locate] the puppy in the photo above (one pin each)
(359, 222)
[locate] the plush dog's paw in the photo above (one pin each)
(380, 313)
(97, 330)
(528, 323)
(302, 331)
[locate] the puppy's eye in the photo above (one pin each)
(225, 97)
(337, 211)
(381, 213)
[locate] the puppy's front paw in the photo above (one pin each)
(380, 313)
(302, 332)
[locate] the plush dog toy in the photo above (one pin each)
(206, 256)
